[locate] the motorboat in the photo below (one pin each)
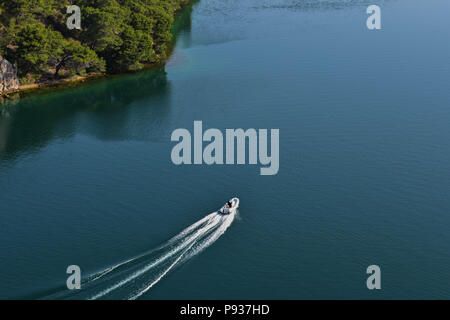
(230, 207)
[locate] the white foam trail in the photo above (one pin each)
(100, 274)
(212, 219)
(192, 227)
(227, 221)
(162, 275)
(200, 247)
(182, 234)
(142, 271)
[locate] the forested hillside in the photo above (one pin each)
(115, 36)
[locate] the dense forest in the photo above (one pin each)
(115, 36)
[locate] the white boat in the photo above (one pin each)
(230, 207)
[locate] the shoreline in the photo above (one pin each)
(62, 84)
(51, 83)
(13, 95)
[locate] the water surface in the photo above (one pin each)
(86, 176)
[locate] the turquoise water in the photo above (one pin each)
(86, 176)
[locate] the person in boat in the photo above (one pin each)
(226, 208)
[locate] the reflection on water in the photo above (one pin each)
(106, 109)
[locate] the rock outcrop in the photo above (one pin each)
(8, 76)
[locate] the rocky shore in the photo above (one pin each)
(9, 80)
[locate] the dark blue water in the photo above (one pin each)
(86, 176)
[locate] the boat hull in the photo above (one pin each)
(232, 210)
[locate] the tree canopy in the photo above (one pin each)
(115, 35)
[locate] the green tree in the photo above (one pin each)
(136, 49)
(162, 29)
(77, 58)
(34, 45)
(115, 35)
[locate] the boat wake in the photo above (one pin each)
(133, 278)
